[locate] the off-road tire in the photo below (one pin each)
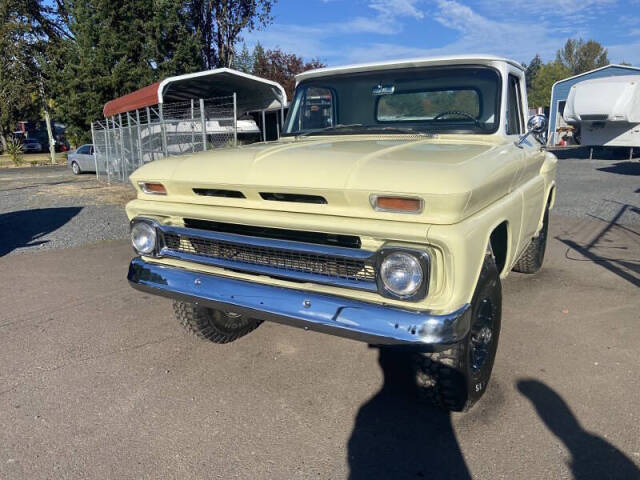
(449, 378)
(213, 325)
(531, 259)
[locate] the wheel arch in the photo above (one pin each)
(549, 202)
(551, 196)
(499, 242)
(465, 244)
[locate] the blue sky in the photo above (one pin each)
(352, 31)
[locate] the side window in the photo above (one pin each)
(91, 150)
(316, 110)
(83, 150)
(515, 122)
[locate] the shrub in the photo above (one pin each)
(14, 150)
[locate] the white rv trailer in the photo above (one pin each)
(607, 111)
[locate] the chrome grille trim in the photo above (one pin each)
(291, 260)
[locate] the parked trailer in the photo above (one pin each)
(606, 111)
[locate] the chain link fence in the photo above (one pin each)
(127, 141)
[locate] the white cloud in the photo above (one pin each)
(626, 52)
(519, 40)
(387, 18)
(397, 8)
(307, 41)
(561, 10)
(515, 36)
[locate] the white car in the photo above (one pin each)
(82, 159)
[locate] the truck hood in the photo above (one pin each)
(455, 176)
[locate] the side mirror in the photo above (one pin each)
(536, 126)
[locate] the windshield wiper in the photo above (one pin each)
(409, 130)
(367, 128)
(328, 129)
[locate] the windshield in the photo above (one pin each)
(429, 100)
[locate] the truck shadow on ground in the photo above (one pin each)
(592, 457)
(24, 228)
(397, 437)
(623, 168)
(596, 153)
(615, 247)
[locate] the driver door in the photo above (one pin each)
(528, 180)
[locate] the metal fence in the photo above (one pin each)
(127, 141)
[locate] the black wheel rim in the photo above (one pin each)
(481, 336)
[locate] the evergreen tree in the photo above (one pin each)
(24, 31)
(114, 48)
(531, 71)
(258, 57)
(243, 61)
(175, 46)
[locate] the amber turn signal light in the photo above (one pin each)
(153, 188)
(397, 204)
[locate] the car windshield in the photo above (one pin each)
(426, 100)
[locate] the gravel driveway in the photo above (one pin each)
(49, 207)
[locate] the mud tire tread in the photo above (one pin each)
(443, 377)
(200, 322)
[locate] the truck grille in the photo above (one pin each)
(337, 267)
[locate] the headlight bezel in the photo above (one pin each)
(149, 223)
(423, 259)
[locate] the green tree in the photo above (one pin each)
(545, 78)
(24, 30)
(531, 70)
(175, 47)
(219, 24)
(580, 56)
(113, 48)
(243, 61)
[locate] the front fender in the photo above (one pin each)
(464, 245)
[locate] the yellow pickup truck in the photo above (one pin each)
(399, 197)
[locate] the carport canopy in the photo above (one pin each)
(253, 93)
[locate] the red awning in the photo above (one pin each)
(253, 93)
(145, 97)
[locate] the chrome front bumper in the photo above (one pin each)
(368, 322)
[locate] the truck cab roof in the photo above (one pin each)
(407, 63)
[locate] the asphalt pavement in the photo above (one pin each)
(98, 380)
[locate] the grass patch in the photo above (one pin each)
(33, 160)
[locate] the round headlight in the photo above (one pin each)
(143, 238)
(401, 274)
